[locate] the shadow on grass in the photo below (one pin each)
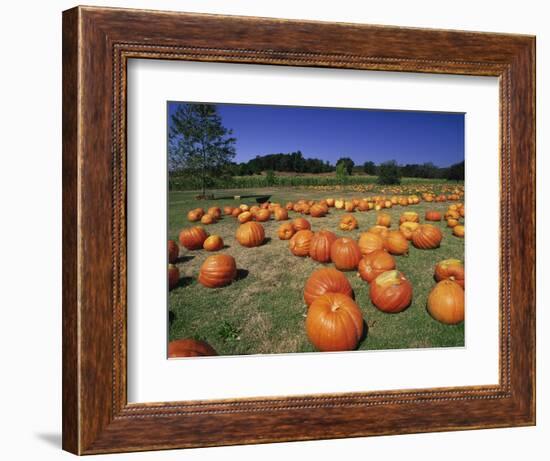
(184, 259)
(184, 281)
(267, 240)
(365, 333)
(171, 316)
(242, 274)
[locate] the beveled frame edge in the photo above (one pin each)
(97, 43)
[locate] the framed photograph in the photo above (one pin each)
(281, 230)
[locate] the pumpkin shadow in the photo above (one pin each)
(184, 259)
(365, 332)
(226, 246)
(266, 240)
(242, 274)
(171, 317)
(184, 281)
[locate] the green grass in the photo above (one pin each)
(263, 311)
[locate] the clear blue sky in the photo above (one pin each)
(328, 133)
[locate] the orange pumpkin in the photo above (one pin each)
(195, 215)
(236, 212)
(427, 237)
(263, 215)
(374, 264)
(215, 211)
(458, 231)
(348, 222)
(281, 214)
(330, 202)
(208, 219)
(391, 292)
(317, 211)
(451, 222)
(227, 210)
(433, 216)
(380, 230)
(320, 246)
(250, 234)
(289, 206)
(396, 243)
(334, 323)
(213, 243)
(192, 238)
(173, 276)
(189, 348)
(345, 254)
(300, 243)
(450, 269)
(407, 229)
(217, 271)
(446, 302)
(326, 280)
(245, 216)
(349, 206)
(339, 204)
(173, 251)
(383, 219)
(369, 242)
(286, 231)
(301, 224)
(409, 216)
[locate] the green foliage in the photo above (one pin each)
(228, 331)
(292, 162)
(198, 143)
(348, 164)
(388, 173)
(369, 168)
(270, 178)
(456, 172)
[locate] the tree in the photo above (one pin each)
(388, 173)
(369, 168)
(456, 172)
(341, 172)
(348, 164)
(198, 141)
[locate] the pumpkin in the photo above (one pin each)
(263, 215)
(289, 206)
(244, 207)
(173, 276)
(349, 206)
(286, 231)
(301, 224)
(374, 264)
(326, 280)
(369, 242)
(213, 243)
(334, 323)
(345, 254)
(189, 348)
(236, 212)
(330, 202)
(321, 242)
(208, 219)
(407, 229)
(250, 234)
(228, 210)
(427, 237)
(453, 214)
(192, 238)
(217, 271)
(348, 222)
(245, 216)
(380, 230)
(450, 269)
(173, 251)
(339, 203)
(363, 205)
(317, 211)
(458, 230)
(451, 222)
(391, 292)
(409, 216)
(215, 211)
(254, 209)
(195, 215)
(281, 214)
(396, 243)
(446, 302)
(300, 242)
(433, 216)
(383, 219)
(462, 211)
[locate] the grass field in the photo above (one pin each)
(263, 311)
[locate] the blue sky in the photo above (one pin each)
(328, 133)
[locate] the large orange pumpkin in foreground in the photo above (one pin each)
(218, 271)
(348, 222)
(374, 264)
(173, 251)
(450, 269)
(326, 280)
(286, 231)
(213, 243)
(433, 216)
(301, 224)
(173, 276)
(250, 234)
(334, 323)
(189, 348)
(345, 254)
(369, 242)
(391, 292)
(396, 243)
(427, 237)
(300, 243)
(446, 302)
(193, 238)
(320, 246)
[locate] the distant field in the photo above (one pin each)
(263, 311)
